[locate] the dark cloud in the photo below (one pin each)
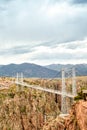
(73, 46)
(79, 1)
(51, 43)
(16, 50)
(7, 0)
(20, 50)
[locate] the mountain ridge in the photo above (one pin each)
(81, 69)
(38, 71)
(28, 69)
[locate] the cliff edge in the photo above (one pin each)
(77, 119)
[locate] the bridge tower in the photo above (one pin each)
(63, 98)
(74, 82)
(64, 106)
(19, 78)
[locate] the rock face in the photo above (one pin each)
(56, 124)
(78, 117)
(25, 110)
(81, 114)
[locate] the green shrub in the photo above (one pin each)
(23, 109)
(11, 95)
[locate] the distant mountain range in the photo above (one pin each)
(29, 70)
(81, 69)
(33, 70)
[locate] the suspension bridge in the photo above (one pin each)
(63, 93)
(45, 89)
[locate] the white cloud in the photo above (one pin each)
(42, 32)
(61, 53)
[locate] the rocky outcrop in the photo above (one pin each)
(56, 124)
(78, 117)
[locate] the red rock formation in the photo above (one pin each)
(56, 124)
(78, 117)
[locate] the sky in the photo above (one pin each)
(43, 31)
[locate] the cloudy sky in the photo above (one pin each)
(43, 31)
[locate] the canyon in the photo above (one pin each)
(36, 110)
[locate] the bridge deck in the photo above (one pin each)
(46, 89)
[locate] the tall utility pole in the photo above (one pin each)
(74, 82)
(63, 100)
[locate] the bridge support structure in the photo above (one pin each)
(74, 92)
(19, 79)
(64, 104)
(63, 97)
